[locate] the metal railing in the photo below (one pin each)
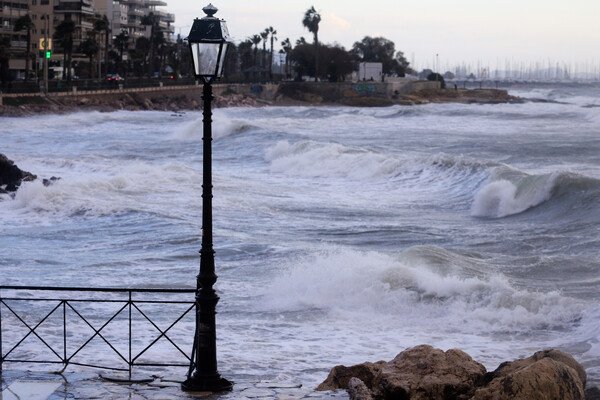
(57, 316)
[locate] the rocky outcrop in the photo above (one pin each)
(11, 176)
(548, 374)
(475, 96)
(424, 372)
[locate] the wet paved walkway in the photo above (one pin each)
(93, 385)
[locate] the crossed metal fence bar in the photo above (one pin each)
(62, 303)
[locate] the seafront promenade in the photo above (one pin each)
(94, 385)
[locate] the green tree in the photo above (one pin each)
(140, 55)
(63, 33)
(341, 62)
(121, 41)
(21, 24)
(434, 76)
(160, 44)
(376, 49)
(89, 47)
(151, 21)
(311, 22)
(402, 65)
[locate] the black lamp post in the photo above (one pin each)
(208, 42)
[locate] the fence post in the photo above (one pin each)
(65, 332)
(130, 366)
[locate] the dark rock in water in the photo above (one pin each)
(424, 372)
(48, 182)
(11, 176)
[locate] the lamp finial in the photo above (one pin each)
(210, 10)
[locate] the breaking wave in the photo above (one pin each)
(423, 285)
(510, 192)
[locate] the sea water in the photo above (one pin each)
(342, 235)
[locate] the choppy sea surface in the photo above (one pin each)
(342, 235)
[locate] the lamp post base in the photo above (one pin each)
(213, 383)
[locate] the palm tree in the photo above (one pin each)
(311, 22)
(25, 23)
(264, 35)
(63, 33)
(273, 32)
(102, 25)
(150, 20)
(255, 39)
(287, 49)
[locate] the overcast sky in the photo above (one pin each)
(470, 31)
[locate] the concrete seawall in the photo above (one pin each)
(314, 92)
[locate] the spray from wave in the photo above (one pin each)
(423, 285)
(222, 127)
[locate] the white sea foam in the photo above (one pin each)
(416, 290)
(313, 159)
(124, 187)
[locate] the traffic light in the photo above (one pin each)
(49, 54)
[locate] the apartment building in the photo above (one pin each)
(10, 11)
(123, 15)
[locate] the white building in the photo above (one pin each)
(370, 71)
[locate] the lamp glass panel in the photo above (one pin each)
(205, 58)
(222, 59)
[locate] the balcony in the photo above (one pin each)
(18, 44)
(73, 7)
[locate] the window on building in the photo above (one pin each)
(34, 2)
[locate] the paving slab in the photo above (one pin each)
(18, 385)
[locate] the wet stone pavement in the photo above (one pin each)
(93, 385)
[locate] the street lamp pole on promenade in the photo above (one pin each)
(208, 41)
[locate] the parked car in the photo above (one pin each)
(114, 78)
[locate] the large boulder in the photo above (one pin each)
(424, 372)
(421, 372)
(340, 376)
(11, 176)
(548, 374)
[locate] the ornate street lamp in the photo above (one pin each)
(208, 42)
